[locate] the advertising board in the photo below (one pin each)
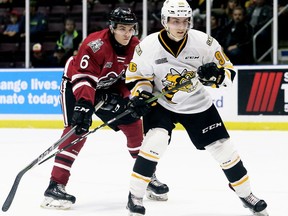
(30, 91)
(259, 95)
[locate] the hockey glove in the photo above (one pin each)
(82, 116)
(138, 105)
(210, 74)
(113, 102)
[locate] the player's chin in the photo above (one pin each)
(180, 36)
(124, 42)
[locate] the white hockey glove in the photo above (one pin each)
(211, 75)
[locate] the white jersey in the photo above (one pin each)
(155, 69)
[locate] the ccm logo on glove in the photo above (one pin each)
(81, 109)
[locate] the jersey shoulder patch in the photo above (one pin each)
(95, 45)
(209, 40)
(138, 50)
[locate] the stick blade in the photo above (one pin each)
(12, 192)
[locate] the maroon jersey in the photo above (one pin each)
(97, 66)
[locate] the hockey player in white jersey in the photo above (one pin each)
(163, 60)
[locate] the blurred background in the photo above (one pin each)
(245, 28)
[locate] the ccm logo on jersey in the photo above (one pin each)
(211, 127)
(192, 57)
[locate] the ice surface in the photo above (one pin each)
(100, 175)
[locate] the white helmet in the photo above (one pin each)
(175, 8)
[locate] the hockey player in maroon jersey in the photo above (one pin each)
(93, 77)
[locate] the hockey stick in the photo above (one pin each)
(19, 176)
(13, 190)
(126, 112)
(39, 160)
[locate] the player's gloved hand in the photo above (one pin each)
(210, 74)
(82, 116)
(138, 105)
(113, 102)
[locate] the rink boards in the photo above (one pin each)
(258, 100)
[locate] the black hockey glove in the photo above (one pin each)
(113, 102)
(210, 74)
(82, 116)
(138, 105)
